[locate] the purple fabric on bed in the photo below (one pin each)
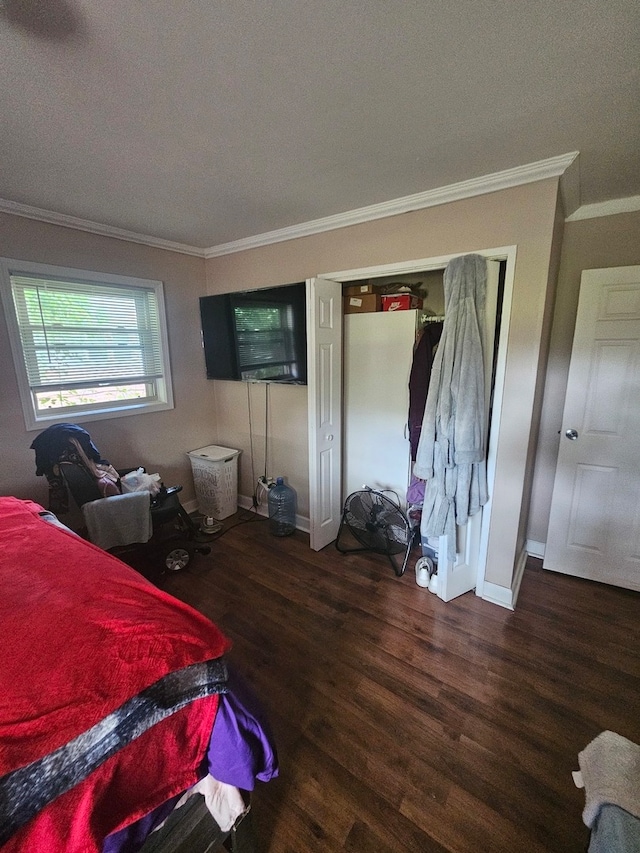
(132, 837)
(241, 750)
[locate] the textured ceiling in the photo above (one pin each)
(208, 121)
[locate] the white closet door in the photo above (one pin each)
(378, 353)
(324, 369)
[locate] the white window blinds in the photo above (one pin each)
(86, 345)
(78, 334)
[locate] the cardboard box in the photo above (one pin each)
(357, 289)
(365, 303)
(400, 302)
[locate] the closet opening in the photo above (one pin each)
(384, 317)
(331, 397)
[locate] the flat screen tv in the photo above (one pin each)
(256, 335)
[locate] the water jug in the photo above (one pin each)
(281, 500)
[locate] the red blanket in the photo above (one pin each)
(81, 633)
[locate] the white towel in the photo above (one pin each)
(610, 768)
(119, 520)
(224, 802)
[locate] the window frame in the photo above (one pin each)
(36, 420)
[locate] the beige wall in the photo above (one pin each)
(522, 216)
(158, 441)
(609, 241)
(218, 412)
(554, 266)
(271, 421)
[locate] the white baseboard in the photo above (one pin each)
(503, 595)
(496, 594)
(302, 523)
(535, 549)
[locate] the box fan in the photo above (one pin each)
(377, 524)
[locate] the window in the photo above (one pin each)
(85, 345)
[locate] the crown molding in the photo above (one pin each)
(550, 168)
(606, 208)
(553, 167)
(66, 221)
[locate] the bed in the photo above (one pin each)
(119, 712)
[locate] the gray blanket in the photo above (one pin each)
(119, 520)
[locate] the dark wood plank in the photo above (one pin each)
(406, 724)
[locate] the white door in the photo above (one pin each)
(324, 369)
(594, 527)
(458, 572)
(378, 352)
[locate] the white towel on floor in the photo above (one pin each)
(610, 769)
(119, 520)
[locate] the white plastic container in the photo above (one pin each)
(215, 477)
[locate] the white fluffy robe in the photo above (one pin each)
(451, 452)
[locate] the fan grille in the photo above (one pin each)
(376, 522)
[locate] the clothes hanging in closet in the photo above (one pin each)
(419, 378)
(451, 449)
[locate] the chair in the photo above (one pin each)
(79, 465)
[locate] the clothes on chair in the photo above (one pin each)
(119, 520)
(106, 477)
(52, 443)
(62, 442)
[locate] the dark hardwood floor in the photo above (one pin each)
(407, 724)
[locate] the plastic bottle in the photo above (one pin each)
(281, 501)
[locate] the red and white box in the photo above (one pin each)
(400, 302)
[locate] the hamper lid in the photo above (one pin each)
(214, 453)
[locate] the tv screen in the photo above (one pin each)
(256, 335)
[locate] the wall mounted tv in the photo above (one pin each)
(256, 335)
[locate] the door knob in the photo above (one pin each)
(571, 434)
